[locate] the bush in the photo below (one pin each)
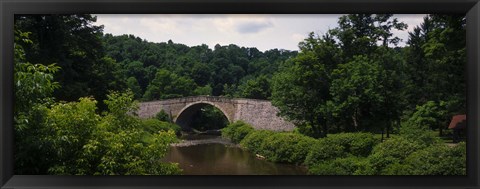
(391, 152)
(322, 151)
(341, 145)
(357, 144)
(418, 134)
(426, 117)
(163, 116)
(339, 166)
(286, 147)
(85, 143)
(154, 125)
(439, 160)
(253, 141)
(278, 147)
(237, 131)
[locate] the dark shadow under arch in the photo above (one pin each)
(185, 117)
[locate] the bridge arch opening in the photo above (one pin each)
(202, 117)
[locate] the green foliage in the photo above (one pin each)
(155, 125)
(34, 83)
(357, 87)
(418, 126)
(31, 151)
(286, 147)
(119, 106)
(209, 118)
(339, 166)
(236, 131)
(438, 160)
(389, 153)
(322, 151)
(349, 79)
(133, 85)
(436, 60)
(74, 140)
(395, 156)
(299, 91)
(210, 69)
(70, 125)
(74, 43)
(341, 145)
(169, 85)
(426, 116)
(163, 116)
(33, 88)
(118, 146)
(359, 33)
(205, 90)
(258, 88)
(254, 140)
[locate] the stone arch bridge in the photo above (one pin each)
(261, 114)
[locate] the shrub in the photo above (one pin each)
(253, 141)
(357, 144)
(426, 117)
(236, 131)
(341, 145)
(416, 133)
(163, 116)
(390, 152)
(286, 147)
(322, 151)
(439, 160)
(85, 143)
(339, 166)
(154, 125)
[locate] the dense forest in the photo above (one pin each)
(74, 87)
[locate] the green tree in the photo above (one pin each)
(258, 88)
(169, 85)
(359, 33)
(74, 43)
(356, 91)
(133, 85)
(163, 116)
(85, 143)
(301, 88)
(205, 90)
(33, 88)
(71, 126)
(436, 59)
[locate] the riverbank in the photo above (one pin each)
(214, 155)
(192, 140)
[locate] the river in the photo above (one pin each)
(213, 155)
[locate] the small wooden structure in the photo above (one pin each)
(458, 125)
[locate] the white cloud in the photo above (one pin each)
(298, 37)
(261, 31)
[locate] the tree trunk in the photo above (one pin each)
(389, 125)
(382, 134)
(325, 129)
(354, 118)
(388, 129)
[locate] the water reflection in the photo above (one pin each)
(222, 159)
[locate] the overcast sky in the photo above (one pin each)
(261, 31)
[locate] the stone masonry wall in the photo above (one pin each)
(261, 114)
